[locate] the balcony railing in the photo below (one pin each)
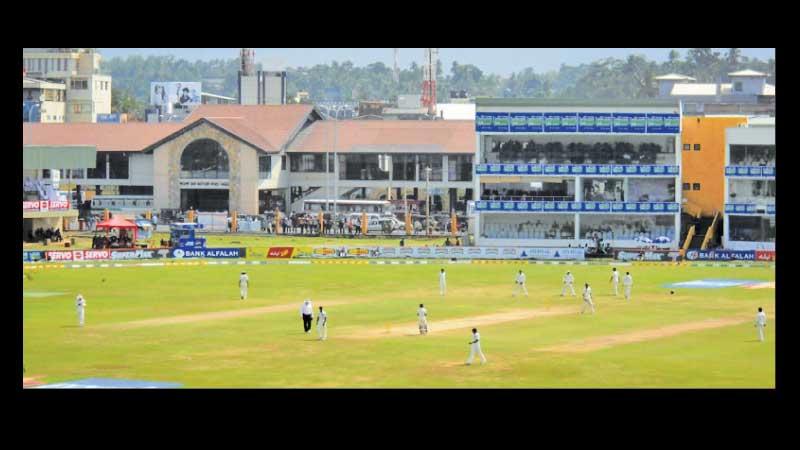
(525, 198)
(574, 207)
(749, 208)
(577, 169)
(750, 171)
(205, 174)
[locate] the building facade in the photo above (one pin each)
(559, 173)
(43, 101)
(749, 219)
(88, 92)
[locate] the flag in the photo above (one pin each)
(364, 223)
(453, 222)
(409, 229)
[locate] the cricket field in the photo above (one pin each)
(185, 324)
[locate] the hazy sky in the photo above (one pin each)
(501, 61)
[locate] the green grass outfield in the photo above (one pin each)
(369, 304)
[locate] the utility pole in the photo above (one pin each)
(428, 200)
(396, 68)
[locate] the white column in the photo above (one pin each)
(578, 190)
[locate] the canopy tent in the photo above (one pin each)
(120, 224)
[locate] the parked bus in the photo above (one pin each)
(349, 206)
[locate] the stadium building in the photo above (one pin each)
(255, 158)
(563, 173)
(749, 220)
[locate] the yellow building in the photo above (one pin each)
(43, 101)
(703, 162)
(88, 92)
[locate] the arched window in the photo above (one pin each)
(204, 158)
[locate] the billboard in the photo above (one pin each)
(280, 252)
(180, 253)
(721, 255)
(169, 96)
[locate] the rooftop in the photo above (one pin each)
(674, 77)
(747, 73)
(486, 101)
(107, 137)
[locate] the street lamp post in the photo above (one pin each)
(428, 199)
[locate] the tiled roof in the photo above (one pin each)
(392, 136)
(107, 137)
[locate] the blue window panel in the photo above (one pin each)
(658, 170)
(730, 170)
(482, 168)
(483, 121)
(770, 209)
(495, 206)
(630, 207)
(521, 168)
(755, 171)
(576, 168)
(604, 206)
(645, 170)
(575, 206)
(495, 168)
(739, 208)
(549, 206)
(590, 168)
(618, 170)
(751, 208)
(658, 206)
(549, 168)
(508, 206)
(501, 122)
(590, 206)
(508, 168)
(521, 206)
(672, 207)
(563, 168)
(535, 168)
(562, 206)
(673, 170)
(741, 170)
(617, 206)
(481, 205)
(645, 207)
(631, 169)
(768, 171)
(604, 169)
(535, 206)
(729, 208)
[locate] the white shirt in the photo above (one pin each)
(761, 319)
(80, 303)
(422, 313)
(476, 338)
(307, 309)
(628, 281)
(587, 293)
(322, 319)
(569, 278)
(615, 276)
(441, 277)
(521, 278)
(244, 280)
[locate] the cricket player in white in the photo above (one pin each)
(475, 347)
(442, 283)
(422, 315)
(568, 280)
(243, 282)
(587, 299)
(627, 283)
(761, 323)
(615, 281)
(322, 324)
(80, 304)
(519, 284)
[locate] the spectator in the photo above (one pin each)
(458, 242)
(447, 242)
(402, 242)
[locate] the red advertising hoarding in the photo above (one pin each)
(765, 255)
(78, 255)
(45, 206)
(280, 252)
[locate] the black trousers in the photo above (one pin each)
(306, 322)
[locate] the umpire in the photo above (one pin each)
(307, 311)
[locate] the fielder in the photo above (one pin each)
(80, 304)
(422, 315)
(587, 299)
(627, 283)
(475, 347)
(243, 282)
(307, 313)
(568, 280)
(442, 283)
(761, 323)
(520, 285)
(322, 324)
(615, 281)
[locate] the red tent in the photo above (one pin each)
(118, 223)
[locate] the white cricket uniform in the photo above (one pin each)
(568, 280)
(243, 282)
(422, 315)
(322, 325)
(587, 300)
(80, 305)
(475, 348)
(442, 283)
(627, 283)
(520, 285)
(761, 323)
(615, 282)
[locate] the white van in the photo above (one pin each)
(378, 223)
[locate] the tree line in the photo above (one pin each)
(608, 78)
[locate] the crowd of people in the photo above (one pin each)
(101, 242)
(525, 195)
(529, 230)
(42, 235)
(519, 152)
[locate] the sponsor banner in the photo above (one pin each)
(750, 171)
(590, 169)
(765, 255)
(181, 253)
(639, 207)
(630, 123)
(78, 255)
(45, 206)
(150, 253)
(174, 95)
(487, 121)
(32, 255)
(649, 255)
(720, 255)
(552, 253)
(527, 122)
(578, 122)
(280, 252)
